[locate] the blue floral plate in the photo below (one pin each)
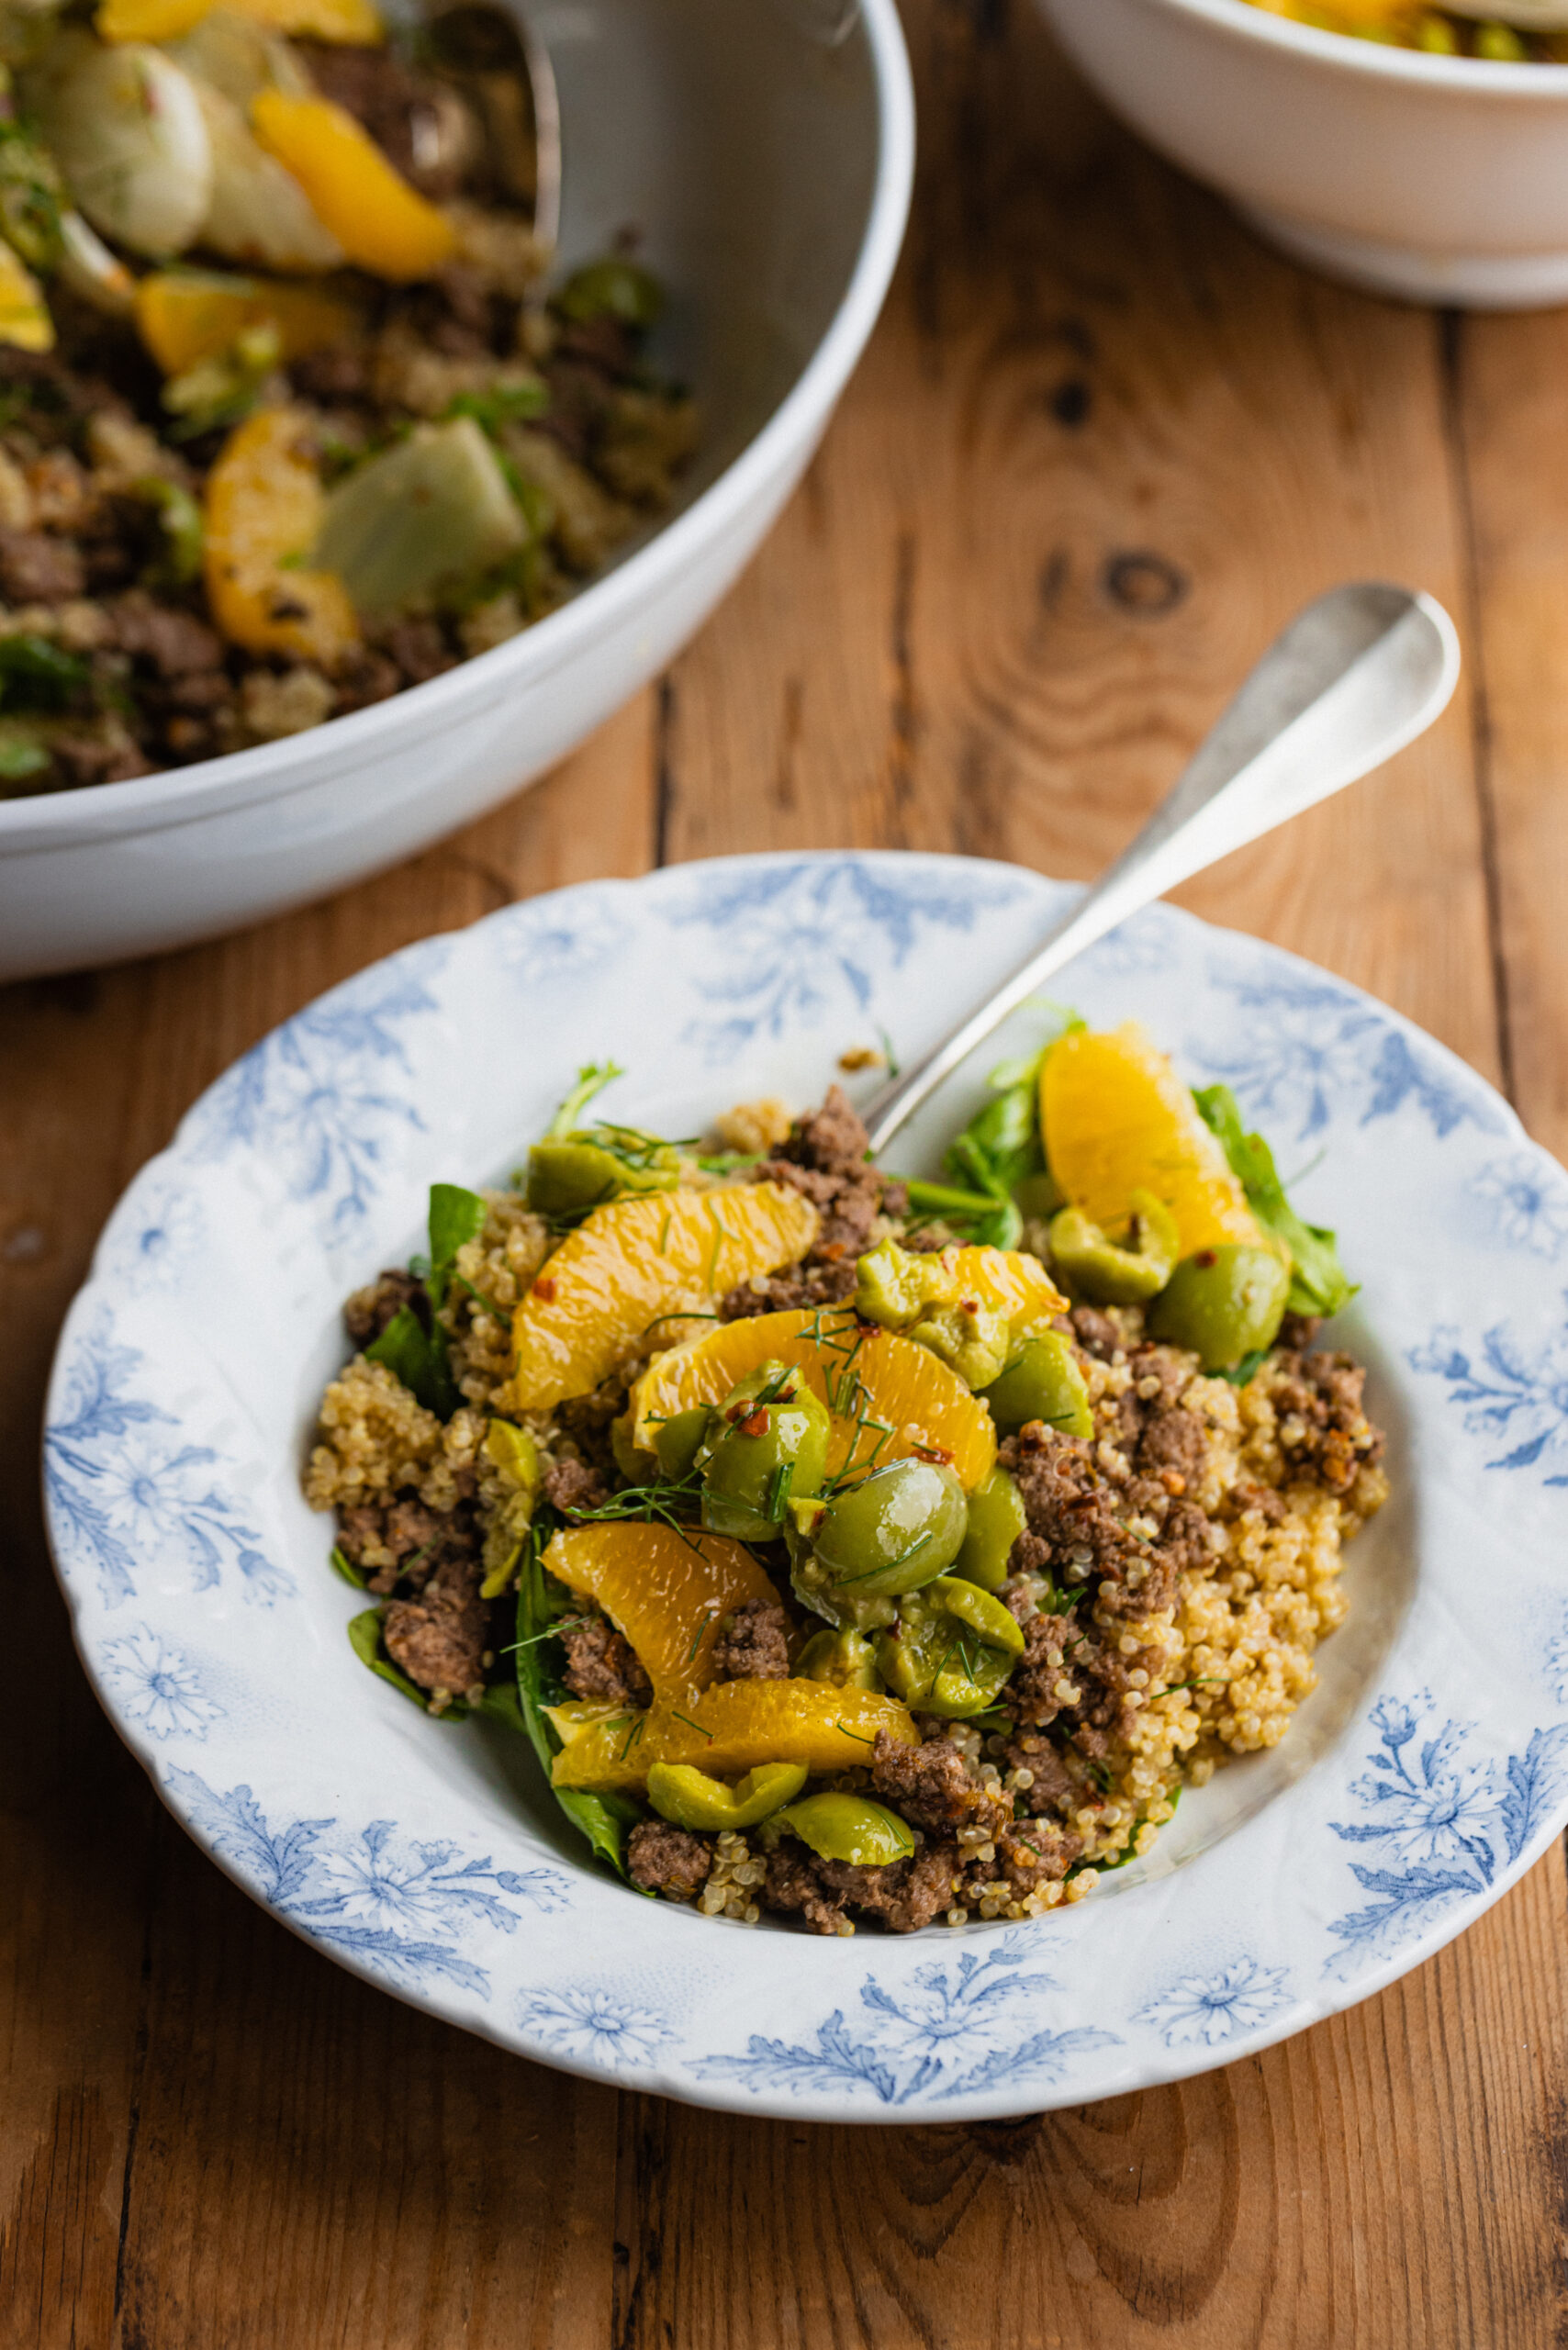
(1427, 1773)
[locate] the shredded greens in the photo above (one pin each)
(1318, 1280)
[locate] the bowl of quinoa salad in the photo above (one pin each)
(1012, 1598)
(302, 415)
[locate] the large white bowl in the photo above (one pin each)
(1438, 179)
(769, 169)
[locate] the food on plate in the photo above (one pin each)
(288, 420)
(857, 1548)
(1407, 24)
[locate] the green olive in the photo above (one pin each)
(846, 1658)
(891, 1532)
(849, 1828)
(768, 1439)
(680, 1793)
(1224, 1302)
(1043, 1381)
(894, 1285)
(996, 1521)
(978, 1611)
(567, 1176)
(909, 1650)
(614, 288)
(678, 1441)
(972, 1339)
(1124, 1271)
(971, 1678)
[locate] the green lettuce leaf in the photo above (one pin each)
(1319, 1283)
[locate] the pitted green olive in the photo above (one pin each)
(971, 1678)
(846, 1658)
(978, 1611)
(1043, 1381)
(1134, 1266)
(849, 1828)
(678, 1441)
(891, 1532)
(689, 1798)
(768, 1440)
(894, 1285)
(1224, 1302)
(972, 1339)
(573, 1172)
(909, 1650)
(997, 1519)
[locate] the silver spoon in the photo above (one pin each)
(1352, 679)
(495, 57)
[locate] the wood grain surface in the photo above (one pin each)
(1103, 444)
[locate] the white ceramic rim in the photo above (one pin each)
(1180, 2059)
(1467, 77)
(170, 796)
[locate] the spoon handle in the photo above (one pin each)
(1352, 679)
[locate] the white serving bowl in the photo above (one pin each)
(767, 168)
(1438, 179)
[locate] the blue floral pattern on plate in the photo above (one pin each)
(181, 1404)
(118, 1485)
(1443, 1821)
(955, 2031)
(403, 1906)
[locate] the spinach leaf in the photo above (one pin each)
(457, 1216)
(1319, 1283)
(37, 675)
(349, 1572)
(365, 1639)
(605, 1820)
(418, 1356)
(413, 1354)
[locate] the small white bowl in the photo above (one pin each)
(1437, 179)
(767, 168)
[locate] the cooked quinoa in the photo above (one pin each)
(1176, 1564)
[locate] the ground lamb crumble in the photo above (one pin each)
(1176, 1573)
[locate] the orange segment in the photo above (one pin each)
(927, 1407)
(666, 1592)
(264, 511)
(380, 221)
(1116, 1119)
(1008, 1281)
(186, 314)
(639, 1263)
(725, 1731)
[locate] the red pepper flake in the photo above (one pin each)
(1173, 1481)
(756, 1425)
(832, 1250)
(933, 1452)
(545, 1287)
(1205, 1256)
(968, 1305)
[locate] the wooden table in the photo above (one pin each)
(1101, 445)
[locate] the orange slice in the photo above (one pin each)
(1008, 1281)
(926, 1408)
(640, 1263)
(264, 511)
(725, 1730)
(1116, 1119)
(380, 221)
(666, 1592)
(186, 315)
